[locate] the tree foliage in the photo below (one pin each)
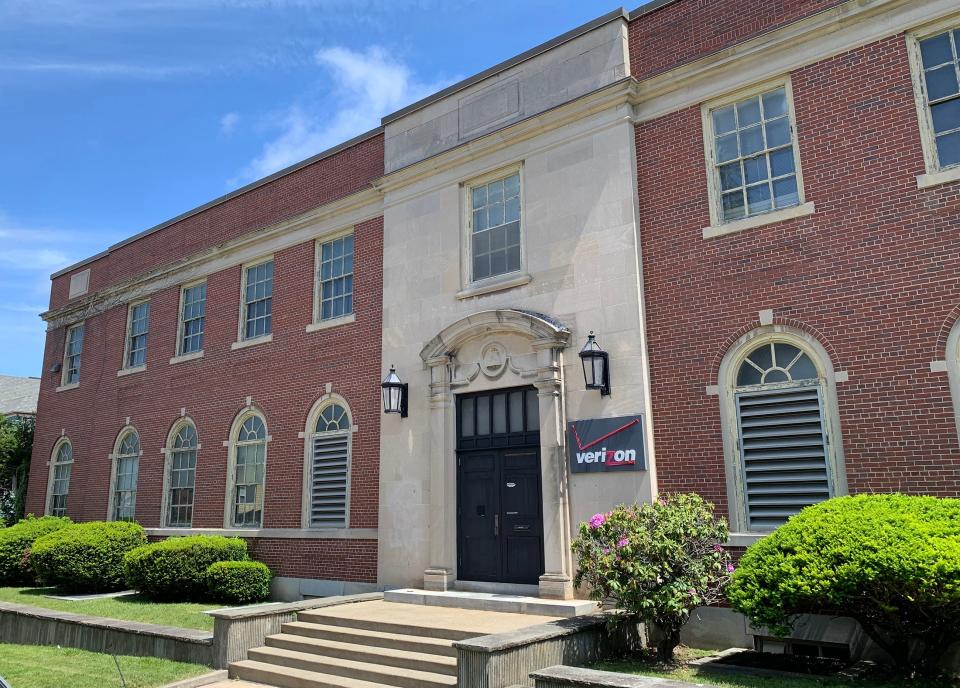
(16, 446)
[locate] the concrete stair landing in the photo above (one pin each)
(493, 602)
(375, 644)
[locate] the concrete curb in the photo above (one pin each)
(202, 680)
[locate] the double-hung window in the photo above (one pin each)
(335, 278)
(138, 324)
(181, 478)
(257, 300)
(939, 77)
(494, 223)
(126, 468)
(72, 351)
(752, 155)
(60, 468)
(193, 308)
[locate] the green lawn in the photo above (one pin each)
(645, 667)
(31, 666)
(130, 608)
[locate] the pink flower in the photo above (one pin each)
(718, 548)
(606, 550)
(623, 542)
(731, 568)
(597, 521)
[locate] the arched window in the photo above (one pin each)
(327, 478)
(248, 465)
(126, 460)
(783, 456)
(60, 478)
(182, 469)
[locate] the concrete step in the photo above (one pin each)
(384, 656)
(320, 616)
(492, 602)
(359, 636)
(364, 671)
(285, 677)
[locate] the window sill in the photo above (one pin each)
(802, 210)
(333, 322)
(130, 371)
(266, 339)
(277, 533)
(496, 284)
(744, 539)
(64, 388)
(186, 357)
(926, 181)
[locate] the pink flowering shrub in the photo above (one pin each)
(658, 561)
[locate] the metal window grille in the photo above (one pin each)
(329, 470)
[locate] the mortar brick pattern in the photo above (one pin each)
(874, 272)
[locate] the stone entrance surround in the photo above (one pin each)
(489, 350)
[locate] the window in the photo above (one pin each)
(249, 463)
(940, 86)
(328, 467)
(495, 227)
(71, 355)
(752, 155)
(193, 308)
(335, 278)
(257, 300)
(60, 478)
(783, 450)
(126, 469)
(182, 476)
(138, 323)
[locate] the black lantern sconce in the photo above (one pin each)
(394, 394)
(596, 366)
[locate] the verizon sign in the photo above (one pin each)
(599, 445)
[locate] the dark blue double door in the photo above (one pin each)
(499, 505)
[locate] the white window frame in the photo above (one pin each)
(180, 355)
(242, 340)
(114, 457)
(126, 367)
(167, 452)
(727, 388)
(52, 464)
(471, 287)
(719, 226)
(66, 356)
(934, 174)
(317, 323)
(307, 436)
(232, 444)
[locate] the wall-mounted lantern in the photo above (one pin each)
(596, 366)
(394, 394)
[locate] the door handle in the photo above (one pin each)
(496, 525)
(527, 527)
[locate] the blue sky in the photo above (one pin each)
(116, 115)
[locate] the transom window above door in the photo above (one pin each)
(494, 220)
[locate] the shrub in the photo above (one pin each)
(238, 582)
(16, 540)
(657, 561)
(86, 557)
(176, 568)
(892, 562)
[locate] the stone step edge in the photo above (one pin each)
(386, 652)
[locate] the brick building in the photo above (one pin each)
(755, 206)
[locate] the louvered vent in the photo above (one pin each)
(328, 503)
(784, 452)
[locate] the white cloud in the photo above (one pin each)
(367, 86)
(101, 69)
(228, 123)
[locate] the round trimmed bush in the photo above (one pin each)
(892, 562)
(86, 557)
(176, 568)
(16, 542)
(239, 582)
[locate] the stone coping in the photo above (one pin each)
(591, 678)
(275, 608)
(497, 642)
(136, 627)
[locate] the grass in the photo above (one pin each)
(645, 665)
(30, 666)
(129, 608)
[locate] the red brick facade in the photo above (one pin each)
(873, 274)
